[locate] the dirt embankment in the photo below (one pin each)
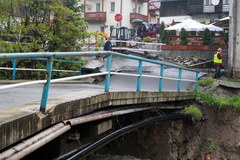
(215, 136)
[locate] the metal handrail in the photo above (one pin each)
(14, 66)
(51, 55)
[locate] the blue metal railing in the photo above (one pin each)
(14, 65)
(51, 56)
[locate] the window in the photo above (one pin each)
(134, 10)
(98, 7)
(102, 29)
(139, 9)
(112, 6)
(226, 2)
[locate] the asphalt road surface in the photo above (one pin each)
(21, 95)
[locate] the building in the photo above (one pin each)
(100, 14)
(154, 11)
(201, 10)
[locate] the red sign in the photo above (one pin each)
(118, 17)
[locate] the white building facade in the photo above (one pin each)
(100, 14)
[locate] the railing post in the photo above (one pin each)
(46, 85)
(196, 83)
(161, 79)
(80, 71)
(179, 79)
(139, 79)
(14, 64)
(108, 69)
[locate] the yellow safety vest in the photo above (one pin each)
(216, 59)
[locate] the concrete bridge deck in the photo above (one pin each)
(19, 122)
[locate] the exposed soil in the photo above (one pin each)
(216, 135)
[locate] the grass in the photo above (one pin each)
(212, 146)
(234, 80)
(205, 83)
(220, 102)
(193, 110)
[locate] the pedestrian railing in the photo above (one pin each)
(50, 57)
(15, 69)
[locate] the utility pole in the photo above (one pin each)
(234, 39)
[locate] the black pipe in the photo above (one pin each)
(81, 153)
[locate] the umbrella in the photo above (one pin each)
(188, 25)
(224, 22)
(211, 27)
(137, 21)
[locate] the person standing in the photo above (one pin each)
(107, 45)
(144, 30)
(217, 60)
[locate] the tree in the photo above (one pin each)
(183, 37)
(162, 27)
(164, 37)
(43, 25)
(172, 32)
(206, 37)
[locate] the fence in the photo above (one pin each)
(50, 57)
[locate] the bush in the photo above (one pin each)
(162, 27)
(147, 39)
(183, 37)
(205, 83)
(164, 36)
(194, 111)
(206, 37)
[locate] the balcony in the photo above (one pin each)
(225, 8)
(209, 9)
(195, 9)
(138, 16)
(95, 16)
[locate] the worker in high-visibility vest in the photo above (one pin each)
(217, 60)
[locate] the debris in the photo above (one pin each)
(187, 61)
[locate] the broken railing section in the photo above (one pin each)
(51, 56)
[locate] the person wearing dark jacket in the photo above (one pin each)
(107, 45)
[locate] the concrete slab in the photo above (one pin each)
(235, 85)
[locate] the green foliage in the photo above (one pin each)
(164, 36)
(173, 22)
(205, 83)
(162, 27)
(206, 37)
(200, 33)
(147, 39)
(220, 102)
(193, 33)
(226, 38)
(36, 75)
(234, 80)
(183, 37)
(41, 25)
(194, 111)
(172, 33)
(212, 145)
(38, 26)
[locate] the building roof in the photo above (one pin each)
(154, 5)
